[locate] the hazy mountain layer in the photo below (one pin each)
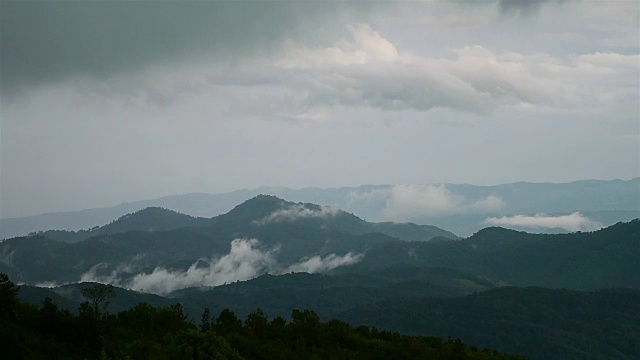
(264, 234)
(270, 235)
(583, 260)
(460, 208)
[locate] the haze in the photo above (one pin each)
(109, 102)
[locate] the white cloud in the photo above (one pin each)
(318, 264)
(244, 261)
(48, 284)
(572, 222)
(407, 202)
(369, 71)
(490, 203)
(297, 211)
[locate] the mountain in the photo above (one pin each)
(276, 295)
(463, 208)
(285, 234)
(147, 331)
(149, 219)
(536, 322)
(197, 205)
(329, 294)
(268, 234)
(277, 255)
(264, 210)
(582, 260)
(540, 323)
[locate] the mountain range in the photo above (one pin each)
(499, 287)
(460, 208)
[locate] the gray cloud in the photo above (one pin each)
(368, 70)
(50, 41)
(147, 101)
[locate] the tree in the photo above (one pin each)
(227, 322)
(99, 297)
(8, 297)
(205, 320)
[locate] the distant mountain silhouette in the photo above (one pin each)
(605, 202)
(148, 219)
(296, 232)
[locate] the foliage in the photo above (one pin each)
(537, 322)
(149, 332)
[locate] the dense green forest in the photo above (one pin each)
(148, 332)
(549, 324)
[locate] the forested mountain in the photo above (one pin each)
(149, 219)
(277, 255)
(587, 261)
(537, 322)
(149, 332)
(270, 235)
(277, 295)
(466, 206)
(297, 231)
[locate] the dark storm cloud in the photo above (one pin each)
(49, 41)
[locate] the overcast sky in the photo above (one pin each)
(104, 102)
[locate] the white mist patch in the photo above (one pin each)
(244, 261)
(112, 278)
(406, 202)
(49, 284)
(572, 222)
(318, 264)
(297, 211)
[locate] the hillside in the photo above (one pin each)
(582, 260)
(539, 323)
(268, 234)
(149, 219)
(150, 332)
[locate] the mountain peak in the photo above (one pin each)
(255, 208)
(150, 219)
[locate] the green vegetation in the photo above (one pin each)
(606, 258)
(548, 324)
(148, 332)
(440, 287)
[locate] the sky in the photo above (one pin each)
(106, 102)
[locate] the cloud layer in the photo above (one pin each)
(301, 94)
(367, 70)
(244, 261)
(407, 202)
(572, 222)
(297, 211)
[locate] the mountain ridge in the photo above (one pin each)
(520, 198)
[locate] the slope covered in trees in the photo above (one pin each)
(148, 332)
(537, 322)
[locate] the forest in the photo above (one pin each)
(149, 332)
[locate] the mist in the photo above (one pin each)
(244, 261)
(572, 222)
